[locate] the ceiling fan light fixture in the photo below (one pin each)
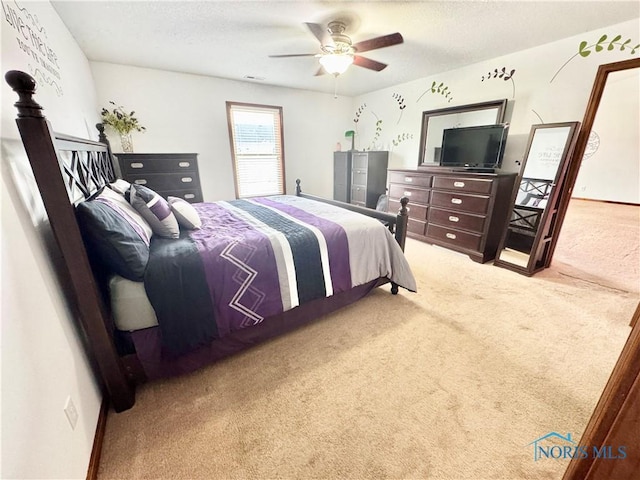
(336, 64)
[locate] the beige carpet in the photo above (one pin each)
(451, 383)
(600, 242)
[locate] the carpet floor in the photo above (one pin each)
(453, 382)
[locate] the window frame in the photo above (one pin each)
(272, 108)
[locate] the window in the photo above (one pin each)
(257, 152)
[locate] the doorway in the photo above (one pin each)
(600, 240)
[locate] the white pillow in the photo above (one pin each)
(120, 186)
(184, 212)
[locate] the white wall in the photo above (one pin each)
(187, 113)
(534, 95)
(42, 358)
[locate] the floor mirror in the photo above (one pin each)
(525, 244)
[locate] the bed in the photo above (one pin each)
(167, 287)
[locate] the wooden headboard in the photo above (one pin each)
(86, 167)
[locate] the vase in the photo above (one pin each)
(127, 143)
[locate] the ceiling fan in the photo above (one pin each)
(338, 52)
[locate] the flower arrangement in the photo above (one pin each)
(122, 122)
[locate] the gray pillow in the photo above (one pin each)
(113, 238)
(155, 210)
(186, 215)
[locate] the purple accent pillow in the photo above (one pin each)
(155, 210)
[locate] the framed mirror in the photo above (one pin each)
(525, 242)
(434, 122)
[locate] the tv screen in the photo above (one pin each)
(474, 147)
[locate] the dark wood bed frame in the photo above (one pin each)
(68, 169)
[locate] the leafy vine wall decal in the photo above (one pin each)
(585, 49)
(378, 131)
(401, 105)
(401, 138)
(502, 74)
(441, 89)
(536, 113)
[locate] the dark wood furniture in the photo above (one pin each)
(524, 246)
(463, 211)
(360, 177)
(169, 174)
(69, 170)
(616, 418)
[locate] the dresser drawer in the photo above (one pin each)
(452, 219)
(416, 195)
(454, 237)
(468, 185)
(193, 195)
(142, 164)
(360, 160)
(359, 177)
(418, 212)
(166, 181)
(409, 179)
(460, 202)
(358, 195)
(416, 226)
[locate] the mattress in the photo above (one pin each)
(130, 305)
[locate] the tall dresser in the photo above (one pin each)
(462, 211)
(360, 177)
(169, 174)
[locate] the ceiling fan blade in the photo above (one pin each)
(379, 42)
(320, 71)
(320, 33)
(294, 55)
(368, 63)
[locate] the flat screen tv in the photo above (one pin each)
(479, 148)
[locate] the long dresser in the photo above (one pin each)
(462, 211)
(174, 174)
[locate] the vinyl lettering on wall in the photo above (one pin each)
(33, 42)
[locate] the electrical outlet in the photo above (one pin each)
(583, 188)
(71, 412)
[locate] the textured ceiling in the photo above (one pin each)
(233, 39)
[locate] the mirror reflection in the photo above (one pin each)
(544, 167)
(434, 122)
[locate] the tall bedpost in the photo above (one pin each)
(298, 189)
(40, 145)
(402, 223)
(102, 137)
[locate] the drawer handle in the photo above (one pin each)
(137, 165)
(186, 179)
(407, 194)
(184, 164)
(453, 219)
(140, 181)
(408, 179)
(457, 201)
(458, 184)
(189, 195)
(452, 236)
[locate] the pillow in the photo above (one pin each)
(186, 215)
(120, 186)
(155, 210)
(120, 204)
(115, 239)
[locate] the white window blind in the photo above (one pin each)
(257, 149)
